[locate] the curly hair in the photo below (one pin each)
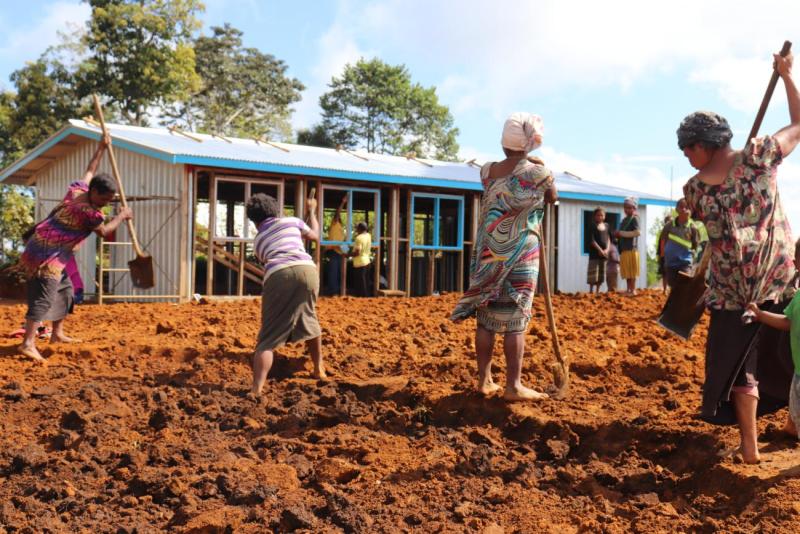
(260, 207)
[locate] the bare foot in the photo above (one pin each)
(487, 387)
(31, 352)
(790, 429)
(521, 393)
(748, 455)
(320, 373)
(63, 339)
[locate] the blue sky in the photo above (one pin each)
(612, 80)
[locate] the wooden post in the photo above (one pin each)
(212, 225)
(343, 285)
(299, 198)
(320, 218)
(100, 289)
(394, 237)
(431, 283)
(377, 268)
(410, 221)
(185, 247)
(240, 279)
(460, 274)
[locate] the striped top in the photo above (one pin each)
(279, 244)
(55, 239)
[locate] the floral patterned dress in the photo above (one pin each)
(752, 249)
(505, 261)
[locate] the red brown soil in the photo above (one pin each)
(146, 427)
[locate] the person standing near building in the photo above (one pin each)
(660, 251)
(335, 254)
(680, 239)
(598, 251)
(362, 257)
(628, 236)
(612, 266)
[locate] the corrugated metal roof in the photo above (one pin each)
(249, 154)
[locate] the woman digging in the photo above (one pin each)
(735, 194)
(291, 284)
(505, 263)
(52, 245)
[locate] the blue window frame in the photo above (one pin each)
(375, 226)
(436, 238)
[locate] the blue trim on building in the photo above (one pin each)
(614, 199)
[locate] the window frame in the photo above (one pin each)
(438, 197)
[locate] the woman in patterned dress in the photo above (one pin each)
(505, 261)
(748, 370)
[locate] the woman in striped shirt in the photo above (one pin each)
(291, 284)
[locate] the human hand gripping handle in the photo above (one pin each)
(773, 81)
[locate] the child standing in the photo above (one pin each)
(598, 251)
(628, 235)
(680, 239)
(788, 321)
(612, 266)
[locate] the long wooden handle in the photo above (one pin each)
(99, 111)
(773, 81)
(548, 302)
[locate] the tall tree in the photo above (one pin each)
(244, 92)
(375, 106)
(45, 98)
(317, 135)
(140, 53)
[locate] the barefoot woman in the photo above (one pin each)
(735, 195)
(52, 245)
(505, 262)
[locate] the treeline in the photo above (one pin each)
(151, 66)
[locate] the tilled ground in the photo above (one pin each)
(146, 427)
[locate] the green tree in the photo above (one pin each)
(375, 106)
(317, 135)
(140, 54)
(244, 92)
(16, 216)
(45, 98)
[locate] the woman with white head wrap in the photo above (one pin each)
(505, 260)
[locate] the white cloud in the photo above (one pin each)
(28, 42)
(337, 47)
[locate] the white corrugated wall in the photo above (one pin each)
(571, 262)
(158, 222)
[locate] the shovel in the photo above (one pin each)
(141, 268)
(686, 301)
(686, 304)
(560, 368)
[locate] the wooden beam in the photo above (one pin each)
(183, 286)
(409, 222)
(212, 224)
(430, 282)
(394, 244)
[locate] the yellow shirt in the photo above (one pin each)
(364, 244)
(336, 233)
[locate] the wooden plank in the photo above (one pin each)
(242, 271)
(394, 243)
(100, 289)
(430, 282)
(377, 268)
(212, 224)
(183, 269)
(410, 221)
(460, 274)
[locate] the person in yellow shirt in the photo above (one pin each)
(335, 254)
(362, 257)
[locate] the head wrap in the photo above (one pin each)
(704, 127)
(522, 132)
(631, 201)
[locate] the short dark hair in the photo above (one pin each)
(362, 227)
(598, 209)
(103, 184)
(261, 206)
